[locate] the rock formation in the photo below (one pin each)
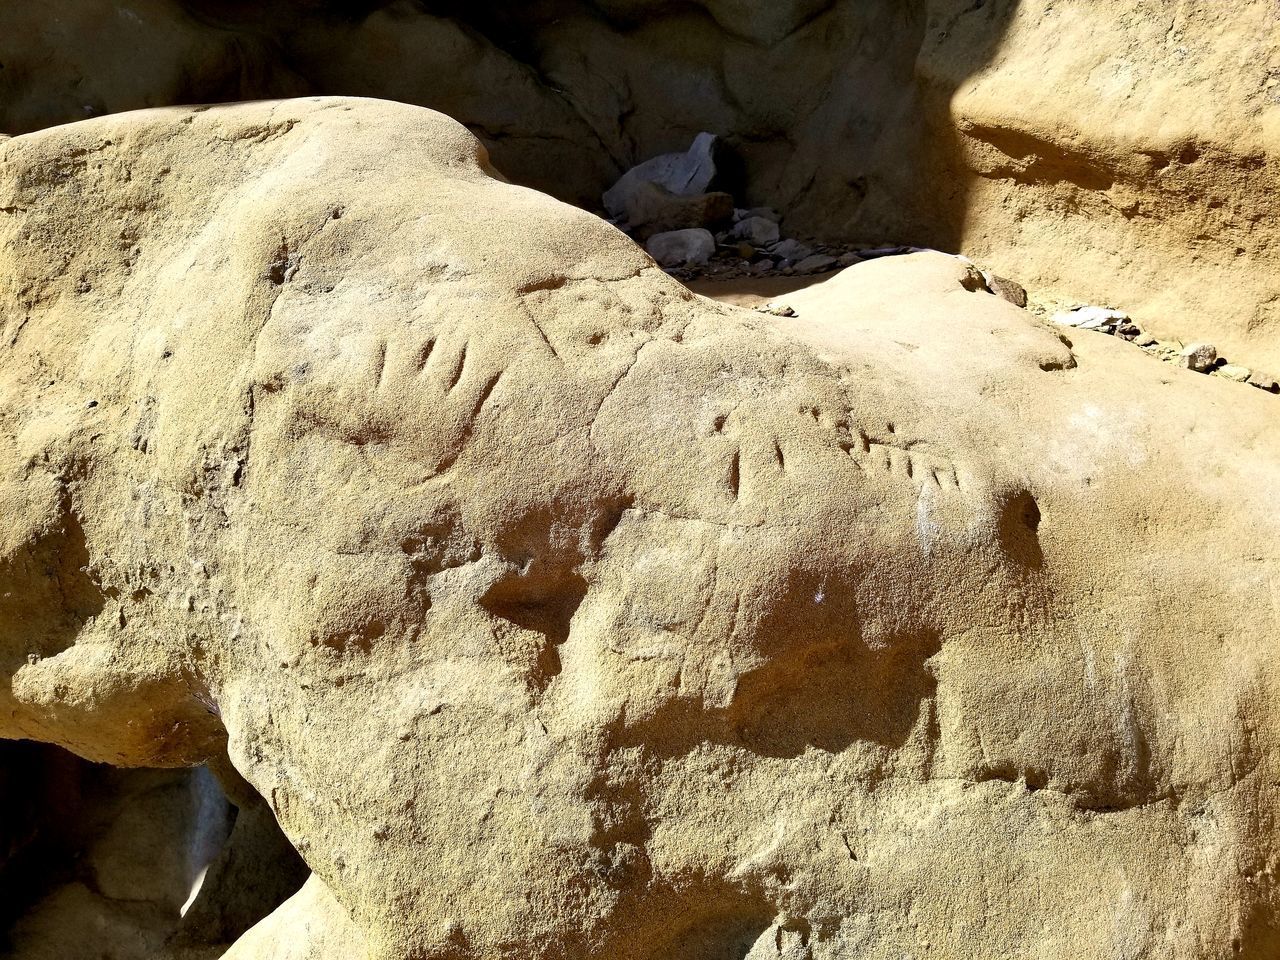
(558, 612)
(1126, 155)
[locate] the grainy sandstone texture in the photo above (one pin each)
(559, 612)
(1124, 154)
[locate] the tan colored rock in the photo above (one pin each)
(1123, 153)
(1126, 153)
(311, 925)
(559, 612)
(1233, 371)
(1200, 357)
(1264, 381)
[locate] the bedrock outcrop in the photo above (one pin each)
(1122, 154)
(558, 612)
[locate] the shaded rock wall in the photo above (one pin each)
(97, 861)
(1120, 155)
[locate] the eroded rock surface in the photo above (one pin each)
(559, 612)
(1112, 153)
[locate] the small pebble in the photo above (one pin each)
(776, 309)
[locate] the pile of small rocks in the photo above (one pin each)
(693, 231)
(1198, 356)
(750, 245)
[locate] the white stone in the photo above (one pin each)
(684, 174)
(682, 248)
(1091, 318)
(757, 231)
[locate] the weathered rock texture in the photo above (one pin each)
(558, 612)
(1122, 154)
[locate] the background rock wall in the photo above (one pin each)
(1126, 154)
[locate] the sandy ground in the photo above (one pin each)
(753, 291)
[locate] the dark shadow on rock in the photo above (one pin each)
(961, 38)
(1018, 529)
(40, 795)
(255, 872)
(835, 113)
(820, 684)
(46, 594)
(829, 698)
(80, 839)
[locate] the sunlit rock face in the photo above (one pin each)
(1119, 154)
(557, 612)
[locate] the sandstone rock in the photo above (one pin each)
(1234, 372)
(815, 263)
(790, 249)
(1264, 380)
(653, 209)
(758, 231)
(1054, 188)
(1200, 357)
(680, 248)
(501, 563)
(1007, 289)
(684, 174)
(983, 129)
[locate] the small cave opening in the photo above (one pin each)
(99, 861)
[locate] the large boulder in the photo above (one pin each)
(687, 174)
(556, 611)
